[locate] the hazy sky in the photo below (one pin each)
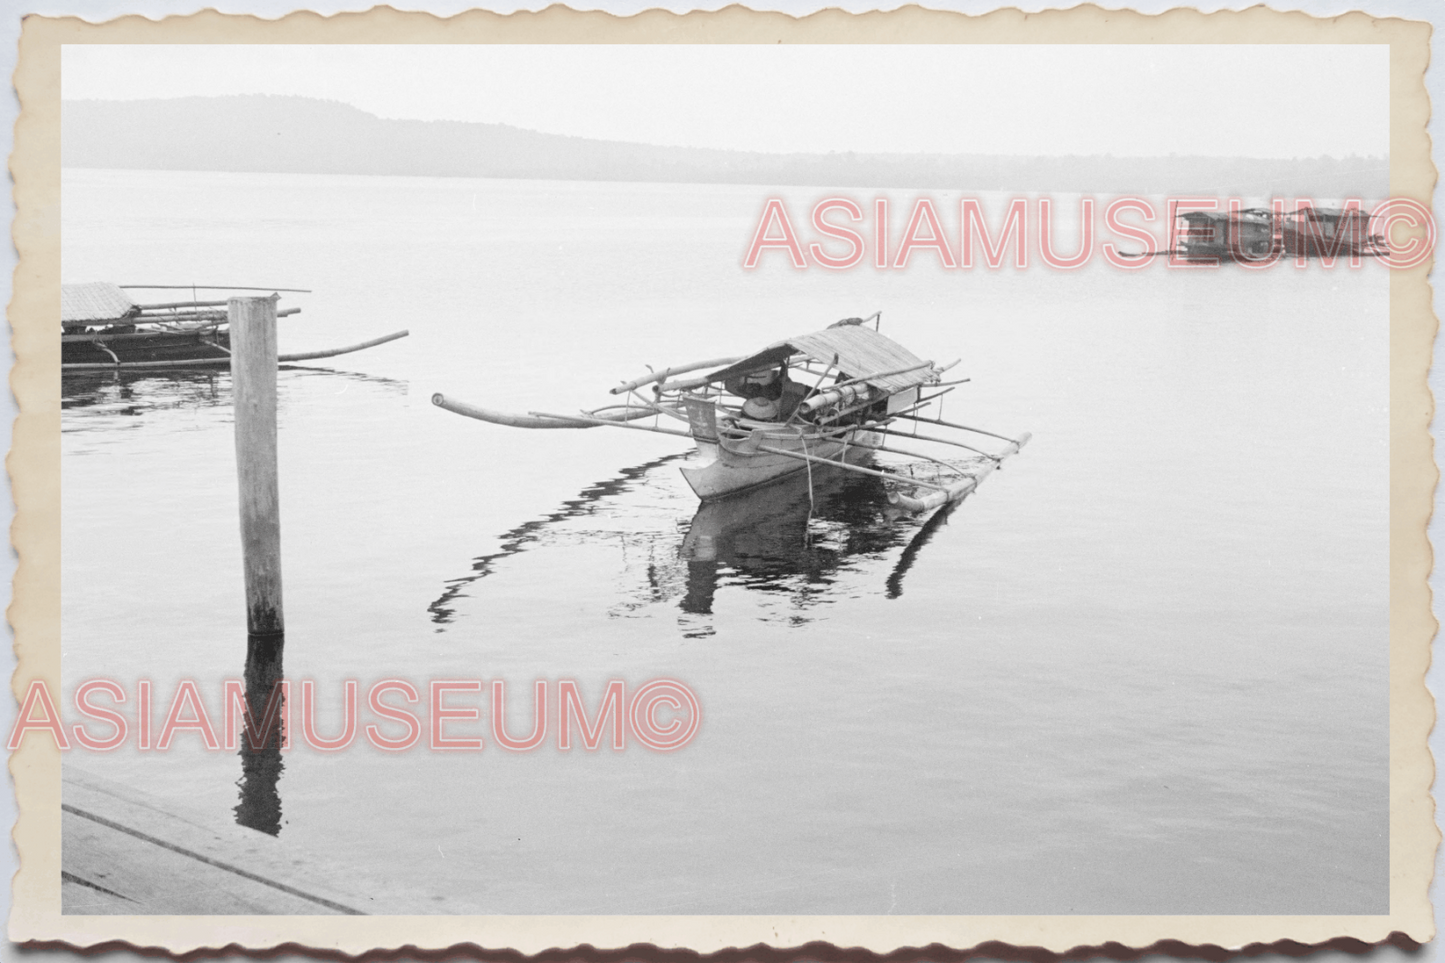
(1260, 101)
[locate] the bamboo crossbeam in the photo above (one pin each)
(648, 404)
(891, 476)
(205, 319)
(109, 366)
(881, 374)
(208, 287)
(699, 382)
(182, 304)
(149, 316)
(869, 402)
(98, 338)
(950, 424)
(940, 441)
(905, 454)
(665, 373)
(687, 385)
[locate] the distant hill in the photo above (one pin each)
(302, 135)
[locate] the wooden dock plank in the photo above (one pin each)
(126, 852)
(88, 899)
(149, 878)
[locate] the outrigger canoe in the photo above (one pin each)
(103, 328)
(831, 399)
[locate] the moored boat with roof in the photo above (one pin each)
(103, 327)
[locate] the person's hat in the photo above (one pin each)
(760, 409)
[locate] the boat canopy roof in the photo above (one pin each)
(861, 353)
(1206, 216)
(97, 302)
(1328, 213)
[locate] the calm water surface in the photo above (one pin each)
(1143, 670)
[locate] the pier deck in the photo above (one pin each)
(124, 852)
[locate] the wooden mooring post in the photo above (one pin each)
(253, 378)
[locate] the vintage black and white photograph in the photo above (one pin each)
(726, 480)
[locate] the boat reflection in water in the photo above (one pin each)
(793, 540)
(798, 537)
(111, 393)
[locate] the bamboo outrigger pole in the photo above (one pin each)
(666, 373)
(538, 419)
(586, 421)
(333, 352)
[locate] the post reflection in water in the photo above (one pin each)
(115, 400)
(260, 799)
(792, 538)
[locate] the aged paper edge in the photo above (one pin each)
(34, 465)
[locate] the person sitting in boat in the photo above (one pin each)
(771, 395)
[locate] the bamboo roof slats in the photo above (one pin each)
(96, 302)
(859, 352)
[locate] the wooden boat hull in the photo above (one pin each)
(185, 354)
(1297, 243)
(740, 466)
(145, 348)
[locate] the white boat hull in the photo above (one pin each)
(739, 466)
